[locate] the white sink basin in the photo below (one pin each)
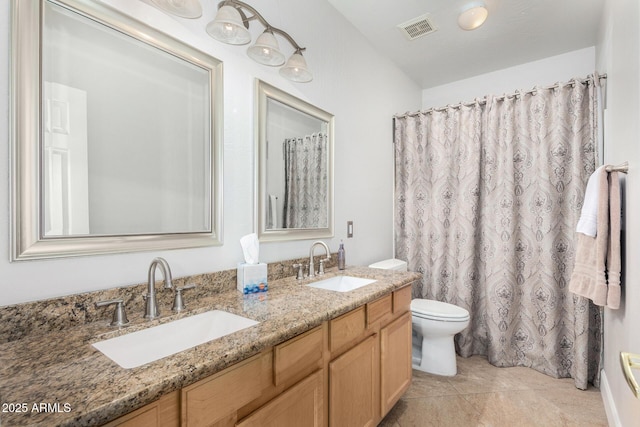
(140, 347)
(342, 283)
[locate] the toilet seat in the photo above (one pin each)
(437, 310)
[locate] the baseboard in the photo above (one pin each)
(609, 404)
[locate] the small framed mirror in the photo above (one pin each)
(295, 167)
(115, 134)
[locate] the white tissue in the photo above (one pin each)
(250, 248)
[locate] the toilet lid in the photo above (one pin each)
(438, 310)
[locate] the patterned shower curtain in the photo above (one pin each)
(305, 196)
(488, 195)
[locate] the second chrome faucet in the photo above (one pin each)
(312, 272)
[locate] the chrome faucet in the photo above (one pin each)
(151, 310)
(312, 270)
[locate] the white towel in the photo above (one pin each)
(588, 222)
(272, 221)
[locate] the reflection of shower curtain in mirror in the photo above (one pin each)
(305, 197)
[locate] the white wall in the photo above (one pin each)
(544, 72)
(618, 54)
(362, 101)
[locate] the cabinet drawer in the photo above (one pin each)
(346, 328)
(214, 398)
(402, 299)
(164, 412)
(378, 309)
(299, 355)
(301, 405)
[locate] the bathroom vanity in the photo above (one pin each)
(312, 356)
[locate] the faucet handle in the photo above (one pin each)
(178, 303)
(119, 314)
(321, 266)
(300, 274)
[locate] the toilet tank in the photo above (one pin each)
(390, 264)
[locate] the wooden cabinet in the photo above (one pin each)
(164, 412)
(346, 329)
(379, 310)
(298, 357)
(402, 300)
(217, 398)
(370, 364)
(395, 361)
(352, 386)
(301, 405)
(349, 371)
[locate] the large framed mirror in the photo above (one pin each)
(115, 134)
(295, 167)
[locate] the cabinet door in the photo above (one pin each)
(395, 361)
(353, 386)
(299, 406)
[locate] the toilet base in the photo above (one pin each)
(437, 356)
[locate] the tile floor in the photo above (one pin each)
(483, 395)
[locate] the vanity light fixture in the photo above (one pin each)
(183, 8)
(231, 26)
(473, 17)
(266, 50)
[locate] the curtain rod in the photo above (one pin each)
(516, 94)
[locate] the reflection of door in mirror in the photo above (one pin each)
(115, 134)
(147, 131)
(65, 164)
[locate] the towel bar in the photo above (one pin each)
(622, 167)
(631, 361)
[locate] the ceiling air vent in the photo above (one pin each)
(417, 27)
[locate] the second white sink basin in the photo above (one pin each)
(145, 346)
(342, 283)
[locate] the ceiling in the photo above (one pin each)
(516, 32)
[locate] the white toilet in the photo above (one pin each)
(434, 325)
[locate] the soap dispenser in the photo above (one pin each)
(341, 260)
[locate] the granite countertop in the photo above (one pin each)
(58, 378)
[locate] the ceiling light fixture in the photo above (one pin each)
(473, 17)
(231, 26)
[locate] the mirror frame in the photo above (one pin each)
(264, 92)
(25, 122)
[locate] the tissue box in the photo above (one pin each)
(252, 278)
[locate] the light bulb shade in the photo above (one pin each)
(296, 69)
(228, 27)
(472, 18)
(182, 8)
(266, 50)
